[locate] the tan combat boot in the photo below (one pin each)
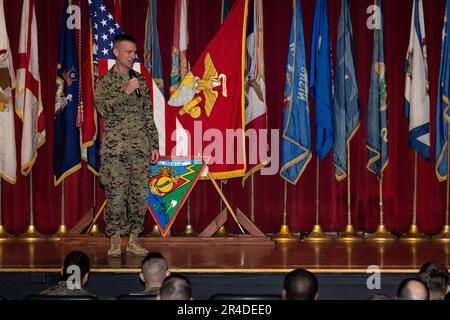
(114, 250)
(134, 247)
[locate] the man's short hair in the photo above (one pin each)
(435, 276)
(412, 289)
(300, 284)
(77, 258)
(123, 37)
(175, 287)
(154, 267)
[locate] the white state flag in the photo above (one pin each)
(417, 104)
(28, 94)
(8, 163)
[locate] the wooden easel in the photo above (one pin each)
(240, 218)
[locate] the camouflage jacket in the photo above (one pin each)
(61, 289)
(129, 127)
(150, 291)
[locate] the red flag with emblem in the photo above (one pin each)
(209, 102)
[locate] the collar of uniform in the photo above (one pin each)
(118, 74)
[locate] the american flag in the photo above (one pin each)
(105, 28)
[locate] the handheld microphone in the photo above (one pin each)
(132, 75)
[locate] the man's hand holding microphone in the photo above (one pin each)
(133, 84)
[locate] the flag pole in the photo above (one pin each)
(3, 234)
(444, 235)
(284, 235)
(222, 231)
(317, 234)
(93, 230)
(382, 233)
(62, 230)
(349, 233)
(252, 199)
(413, 233)
(189, 229)
(31, 234)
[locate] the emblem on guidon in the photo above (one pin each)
(192, 85)
(171, 182)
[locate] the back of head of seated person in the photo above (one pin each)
(154, 269)
(175, 287)
(435, 276)
(300, 284)
(381, 296)
(412, 289)
(74, 276)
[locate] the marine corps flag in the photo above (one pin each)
(8, 162)
(66, 147)
(209, 102)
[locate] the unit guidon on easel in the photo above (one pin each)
(171, 181)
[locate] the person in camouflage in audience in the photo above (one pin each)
(69, 284)
(130, 142)
(154, 269)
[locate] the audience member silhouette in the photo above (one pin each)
(154, 269)
(435, 277)
(412, 289)
(300, 284)
(74, 277)
(175, 287)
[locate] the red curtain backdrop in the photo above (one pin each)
(204, 21)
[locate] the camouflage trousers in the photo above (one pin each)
(125, 179)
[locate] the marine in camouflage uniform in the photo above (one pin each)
(147, 292)
(61, 289)
(129, 137)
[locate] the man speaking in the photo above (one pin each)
(129, 145)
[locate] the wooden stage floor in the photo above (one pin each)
(224, 255)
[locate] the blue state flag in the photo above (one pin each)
(320, 84)
(66, 147)
(442, 110)
(346, 104)
(296, 139)
(377, 121)
(152, 54)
